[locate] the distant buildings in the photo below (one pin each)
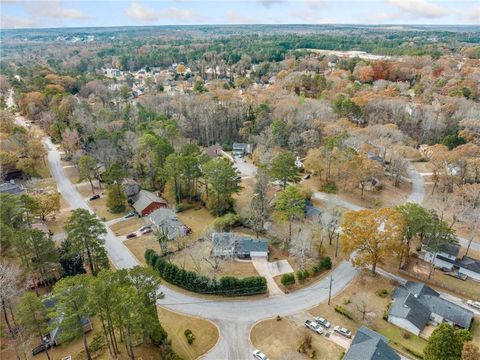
(415, 305)
(370, 345)
(235, 245)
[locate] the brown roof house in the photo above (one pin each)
(145, 202)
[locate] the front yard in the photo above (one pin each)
(280, 340)
(366, 307)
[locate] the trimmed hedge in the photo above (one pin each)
(288, 279)
(189, 280)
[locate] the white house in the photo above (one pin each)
(447, 258)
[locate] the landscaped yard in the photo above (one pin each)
(99, 206)
(280, 340)
(205, 332)
(361, 296)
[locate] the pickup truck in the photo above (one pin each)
(314, 326)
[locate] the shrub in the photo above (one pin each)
(302, 275)
(182, 207)
(341, 310)
(345, 300)
(288, 279)
(189, 280)
(189, 335)
(226, 222)
(383, 293)
(330, 188)
(406, 335)
(326, 263)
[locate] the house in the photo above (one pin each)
(55, 340)
(145, 202)
(166, 219)
(415, 305)
(213, 151)
(131, 188)
(11, 188)
(447, 258)
(244, 247)
(370, 345)
(240, 149)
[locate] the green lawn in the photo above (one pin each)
(395, 334)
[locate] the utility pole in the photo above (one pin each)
(330, 290)
(336, 246)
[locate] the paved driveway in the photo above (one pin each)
(263, 268)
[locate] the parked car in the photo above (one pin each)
(131, 235)
(145, 227)
(94, 197)
(257, 354)
(475, 304)
(322, 322)
(146, 231)
(45, 344)
(129, 215)
(306, 177)
(314, 326)
(342, 331)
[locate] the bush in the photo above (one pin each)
(406, 335)
(341, 310)
(326, 263)
(189, 280)
(302, 275)
(182, 207)
(383, 293)
(288, 279)
(226, 222)
(189, 335)
(345, 300)
(330, 188)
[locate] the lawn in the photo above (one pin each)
(128, 226)
(206, 333)
(280, 339)
(99, 206)
(361, 295)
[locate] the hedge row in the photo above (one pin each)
(189, 280)
(339, 309)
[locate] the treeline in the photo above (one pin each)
(189, 280)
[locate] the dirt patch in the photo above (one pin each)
(206, 333)
(280, 340)
(139, 244)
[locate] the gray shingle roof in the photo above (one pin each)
(450, 249)
(167, 219)
(145, 198)
(415, 302)
(369, 345)
(242, 245)
(10, 188)
(470, 264)
(247, 245)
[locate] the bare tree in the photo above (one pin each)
(302, 247)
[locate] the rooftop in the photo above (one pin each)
(369, 345)
(145, 198)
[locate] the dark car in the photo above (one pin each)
(131, 235)
(94, 197)
(46, 344)
(130, 214)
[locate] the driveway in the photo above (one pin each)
(245, 168)
(262, 266)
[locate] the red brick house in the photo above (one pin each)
(146, 202)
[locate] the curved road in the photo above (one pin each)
(233, 318)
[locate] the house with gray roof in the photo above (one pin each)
(166, 219)
(11, 188)
(415, 305)
(240, 149)
(232, 244)
(447, 258)
(370, 345)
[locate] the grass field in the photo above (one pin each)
(128, 226)
(206, 333)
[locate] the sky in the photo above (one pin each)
(83, 13)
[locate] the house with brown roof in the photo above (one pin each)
(145, 202)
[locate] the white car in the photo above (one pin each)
(475, 304)
(323, 322)
(342, 331)
(145, 227)
(257, 354)
(314, 326)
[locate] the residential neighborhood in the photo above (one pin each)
(239, 180)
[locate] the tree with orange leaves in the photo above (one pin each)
(372, 234)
